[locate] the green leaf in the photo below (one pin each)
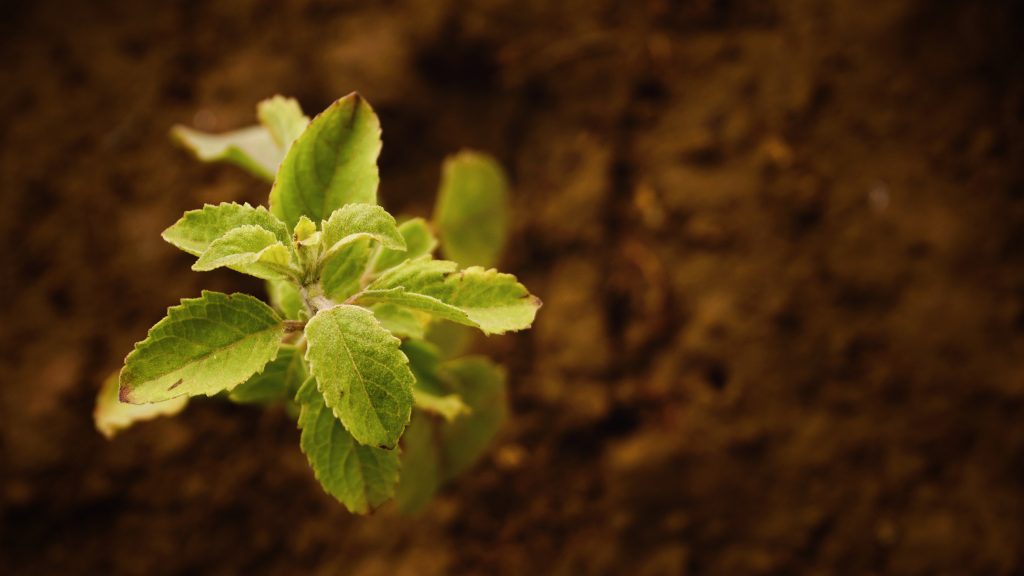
(355, 221)
(448, 406)
(361, 372)
(342, 274)
(430, 393)
(333, 163)
(481, 384)
(419, 241)
(283, 119)
(421, 465)
(472, 209)
(205, 346)
(197, 229)
(401, 322)
(280, 379)
(251, 250)
(286, 299)
(492, 301)
(111, 415)
(360, 477)
(453, 340)
(252, 148)
(433, 452)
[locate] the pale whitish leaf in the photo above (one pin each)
(354, 221)
(421, 465)
(419, 241)
(197, 229)
(249, 249)
(481, 384)
(401, 322)
(286, 298)
(111, 415)
(333, 163)
(283, 119)
(280, 379)
(360, 477)
(430, 393)
(492, 301)
(361, 372)
(471, 214)
(257, 149)
(205, 346)
(252, 148)
(342, 275)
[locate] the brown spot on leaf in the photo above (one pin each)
(124, 395)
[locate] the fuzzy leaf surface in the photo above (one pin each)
(197, 229)
(205, 346)
(360, 477)
(361, 372)
(111, 415)
(492, 301)
(251, 250)
(280, 379)
(332, 163)
(342, 274)
(354, 221)
(471, 213)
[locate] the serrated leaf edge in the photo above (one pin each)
(124, 394)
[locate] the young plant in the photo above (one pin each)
(351, 341)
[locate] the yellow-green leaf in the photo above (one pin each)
(361, 372)
(111, 415)
(360, 477)
(197, 229)
(203, 346)
(332, 163)
(492, 301)
(356, 221)
(471, 213)
(251, 250)
(481, 384)
(431, 393)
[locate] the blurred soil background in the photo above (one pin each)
(779, 244)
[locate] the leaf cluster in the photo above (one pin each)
(354, 295)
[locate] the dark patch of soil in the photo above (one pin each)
(779, 243)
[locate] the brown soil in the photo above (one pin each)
(780, 246)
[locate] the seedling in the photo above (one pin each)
(355, 298)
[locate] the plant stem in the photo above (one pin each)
(294, 325)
